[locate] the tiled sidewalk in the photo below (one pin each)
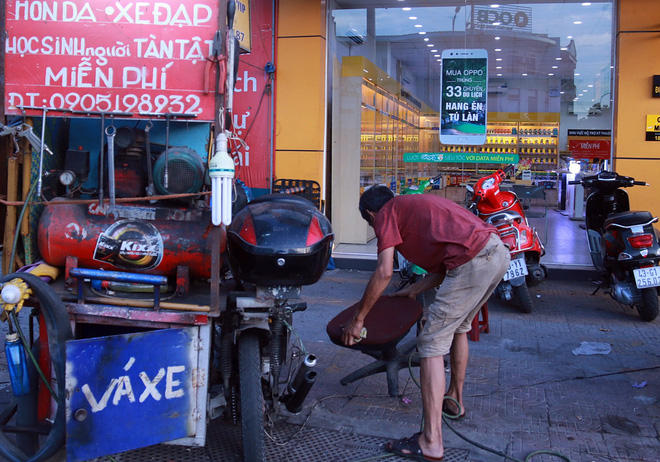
(526, 390)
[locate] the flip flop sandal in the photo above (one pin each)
(411, 446)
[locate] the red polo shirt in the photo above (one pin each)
(430, 231)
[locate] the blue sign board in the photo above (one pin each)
(129, 391)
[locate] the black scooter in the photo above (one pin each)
(622, 243)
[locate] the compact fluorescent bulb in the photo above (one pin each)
(221, 171)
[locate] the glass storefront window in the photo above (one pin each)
(549, 86)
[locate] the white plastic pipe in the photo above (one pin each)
(221, 171)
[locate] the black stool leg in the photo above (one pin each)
(393, 361)
(369, 369)
(392, 372)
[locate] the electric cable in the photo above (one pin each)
(59, 331)
(290, 327)
(18, 225)
(28, 350)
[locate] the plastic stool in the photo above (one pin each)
(479, 325)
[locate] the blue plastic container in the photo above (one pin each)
(17, 363)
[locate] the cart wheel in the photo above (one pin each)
(22, 436)
(251, 399)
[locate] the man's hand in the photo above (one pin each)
(407, 291)
(429, 281)
(351, 334)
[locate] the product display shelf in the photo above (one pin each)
(538, 144)
(389, 127)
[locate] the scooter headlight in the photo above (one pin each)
(489, 183)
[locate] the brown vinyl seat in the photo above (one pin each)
(388, 322)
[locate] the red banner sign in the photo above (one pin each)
(589, 148)
(110, 56)
(143, 58)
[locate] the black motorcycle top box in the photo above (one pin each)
(279, 239)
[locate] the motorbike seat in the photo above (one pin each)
(630, 218)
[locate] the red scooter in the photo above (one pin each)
(503, 210)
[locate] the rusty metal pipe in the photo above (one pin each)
(148, 304)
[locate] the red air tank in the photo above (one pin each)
(135, 238)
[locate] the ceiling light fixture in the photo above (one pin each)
(406, 9)
(497, 38)
(498, 49)
(418, 25)
(577, 22)
(422, 33)
(412, 17)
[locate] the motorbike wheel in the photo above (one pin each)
(648, 309)
(524, 298)
(251, 398)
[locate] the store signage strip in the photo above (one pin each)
(460, 157)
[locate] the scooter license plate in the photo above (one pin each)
(647, 277)
(516, 269)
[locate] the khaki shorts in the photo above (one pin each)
(460, 297)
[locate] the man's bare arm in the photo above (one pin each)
(427, 282)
